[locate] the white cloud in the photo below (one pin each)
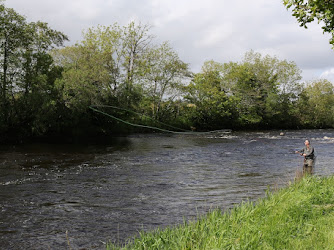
(84, 10)
(215, 35)
(172, 10)
(328, 74)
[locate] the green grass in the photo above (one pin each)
(300, 216)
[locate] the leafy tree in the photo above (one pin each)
(39, 40)
(316, 104)
(258, 83)
(120, 66)
(163, 74)
(27, 75)
(103, 46)
(306, 11)
(210, 107)
(38, 102)
(135, 41)
(83, 79)
(104, 66)
(282, 106)
(246, 88)
(12, 34)
(260, 91)
(91, 68)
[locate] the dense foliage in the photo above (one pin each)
(259, 92)
(47, 89)
(28, 99)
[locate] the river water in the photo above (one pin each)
(81, 196)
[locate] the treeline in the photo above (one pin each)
(47, 89)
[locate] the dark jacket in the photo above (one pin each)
(309, 153)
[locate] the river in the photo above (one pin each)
(81, 196)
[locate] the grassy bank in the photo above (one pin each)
(300, 216)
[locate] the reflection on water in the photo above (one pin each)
(110, 192)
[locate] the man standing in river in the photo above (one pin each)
(309, 157)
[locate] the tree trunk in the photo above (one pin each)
(4, 82)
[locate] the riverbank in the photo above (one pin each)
(300, 216)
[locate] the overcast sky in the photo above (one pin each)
(199, 30)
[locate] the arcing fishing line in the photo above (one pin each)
(151, 127)
(114, 107)
(134, 124)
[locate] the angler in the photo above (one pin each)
(309, 158)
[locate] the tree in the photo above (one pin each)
(102, 47)
(39, 40)
(135, 41)
(92, 68)
(85, 79)
(306, 11)
(253, 82)
(258, 84)
(27, 74)
(210, 107)
(162, 75)
(120, 66)
(35, 85)
(282, 106)
(12, 38)
(105, 66)
(316, 104)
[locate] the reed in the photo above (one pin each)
(299, 174)
(300, 216)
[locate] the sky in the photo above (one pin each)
(198, 30)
